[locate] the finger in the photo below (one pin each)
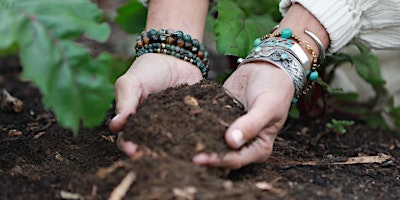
(259, 150)
(266, 110)
(127, 94)
(128, 147)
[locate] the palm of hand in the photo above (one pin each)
(150, 73)
(266, 93)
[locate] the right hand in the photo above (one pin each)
(150, 73)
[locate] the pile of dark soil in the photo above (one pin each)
(41, 160)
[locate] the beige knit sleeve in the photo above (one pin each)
(376, 23)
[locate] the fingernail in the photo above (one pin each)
(115, 117)
(237, 137)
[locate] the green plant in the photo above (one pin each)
(43, 32)
(339, 126)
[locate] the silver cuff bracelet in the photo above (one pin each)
(291, 46)
(282, 58)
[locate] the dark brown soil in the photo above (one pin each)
(45, 160)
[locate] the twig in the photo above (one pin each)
(120, 191)
(350, 161)
(104, 172)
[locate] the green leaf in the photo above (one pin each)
(328, 88)
(63, 19)
(235, 32)
(9, 25)
(367, 66)
(73, 84)
(132, 17)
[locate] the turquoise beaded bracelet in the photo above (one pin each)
(173, 43)
(312, 74)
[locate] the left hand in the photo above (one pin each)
(266, 93)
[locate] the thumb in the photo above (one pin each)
(265, 111)
(127, 100)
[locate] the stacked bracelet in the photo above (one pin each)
(312, 74)
(282, 49)
(176, 44)
(281, 57)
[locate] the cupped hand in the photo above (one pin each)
(266, 93)
(150, 73)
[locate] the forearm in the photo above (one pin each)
(300, 19)
(189, 17)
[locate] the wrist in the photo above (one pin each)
(189, 18)
(299, 19)
(273, 75)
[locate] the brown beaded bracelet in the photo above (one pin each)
(173, 43)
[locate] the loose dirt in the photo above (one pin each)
(41, 160)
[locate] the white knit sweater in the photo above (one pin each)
(374, 22)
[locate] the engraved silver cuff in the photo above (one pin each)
(292, 46)
(281, 57)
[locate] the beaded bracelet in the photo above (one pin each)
(173, 43)
(312, 74)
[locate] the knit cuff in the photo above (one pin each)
(340, 20)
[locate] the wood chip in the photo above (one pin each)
(185, 193)
(191, 101)
(120, 191)
(9, 103)
(109, 138)
(59, 157)
(265, 186)
(200, 146)
(14, 133)
(70, 196)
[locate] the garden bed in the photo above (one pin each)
(41, 160)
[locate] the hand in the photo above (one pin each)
(266, 93)
(150, 73)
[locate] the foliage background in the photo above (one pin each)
(77, 86)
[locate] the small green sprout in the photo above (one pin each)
(339, 126)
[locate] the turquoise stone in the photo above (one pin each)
(160, 31)
(284, 56)
(295, 100)
(202, 47)
(257, 42)
(257, 49)
(286, 33)
(196, 42)
(152, 32)
(313, 76)
(187, 38)
(179, 34)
